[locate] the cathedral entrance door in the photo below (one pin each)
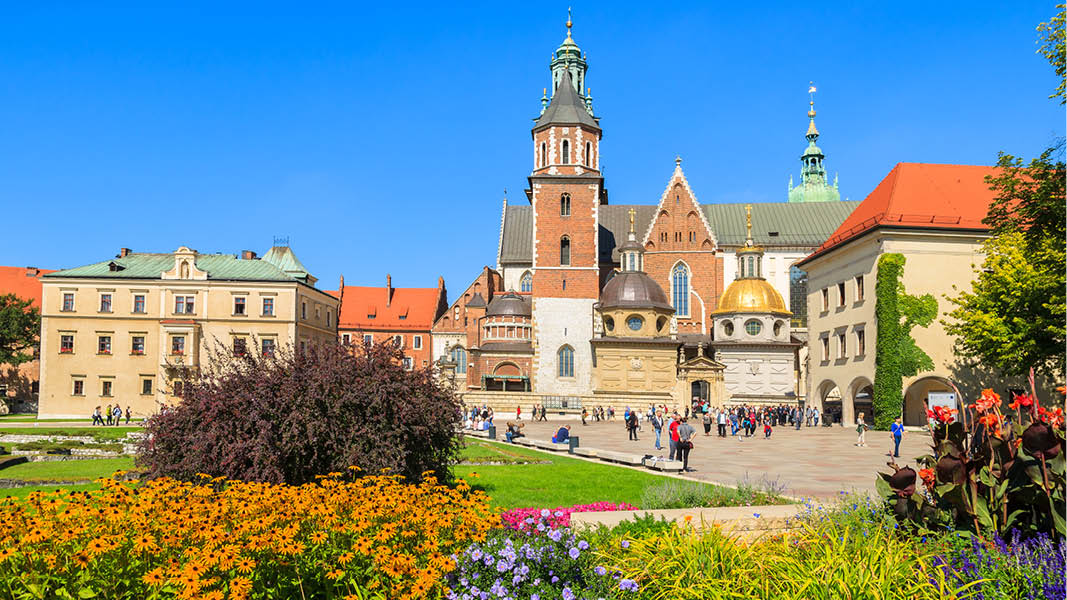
(700, 391)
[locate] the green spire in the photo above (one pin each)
(813, 185)
(568, 57)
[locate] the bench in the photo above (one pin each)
(588, 452)
(625, 458)
(523, 441)
(663, 465)
(551, 446)
(476, 433)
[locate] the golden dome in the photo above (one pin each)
(751, 296)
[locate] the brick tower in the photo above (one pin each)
(566, 191)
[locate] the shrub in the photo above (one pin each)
(845, 553)
(516, 565)
(1015, 570)
(686, 494)
(988, 480)
(292, 416)
(372, 537)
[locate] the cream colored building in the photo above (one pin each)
(931, 214)
(122, 331)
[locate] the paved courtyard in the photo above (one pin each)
(813, 462)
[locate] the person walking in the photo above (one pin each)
(896, 432)
(657, 426)
(631, 424)
(108, 414)
(672, 434)
(97, 418)
(861, 431)
(585, 414)
(707, 424)
(128, 414)
(685, 443)
(722, 423)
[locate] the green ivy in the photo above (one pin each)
(896, 354)
(888, 380)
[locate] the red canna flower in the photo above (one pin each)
(929, 478)
(1021, 400)
(992, 421)
(941, 414)
(989, 400)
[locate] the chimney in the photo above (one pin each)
(248, 255)
(32, 271)
(388, 289)
(124, 252)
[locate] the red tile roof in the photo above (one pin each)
(14, 280)
(365, 308)
(920, 196)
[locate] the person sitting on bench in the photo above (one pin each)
(514, 431)
(562, 435)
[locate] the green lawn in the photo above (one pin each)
(66, 470)
(22, 492)
(562, 482)
(100, 434)
(32, 418)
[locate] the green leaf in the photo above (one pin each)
(1059, 522)
(86, 593)
(882, 487)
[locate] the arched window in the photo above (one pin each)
(588, 154)
(459, 356)
(565, 152)
(751, 266)
(680, 290)
(544, 154)
(526, 283)
(565, 251)
(566, 361)
(565, 205)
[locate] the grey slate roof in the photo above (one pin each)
(140, 265)
(797, 224)
(566, 108)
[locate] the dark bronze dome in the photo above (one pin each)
(509, 304)
(633, 289)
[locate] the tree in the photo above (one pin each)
(292, 416)
(1053, 48)
(20, 326)
(1014, 318)
(896, 354)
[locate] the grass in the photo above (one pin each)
(66, 470)
(100, 434)
(561, 481)
(23, 492)
(32, 418)
(479, 452)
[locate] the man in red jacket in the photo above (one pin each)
(673, 430)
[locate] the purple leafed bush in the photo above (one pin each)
(294, 415)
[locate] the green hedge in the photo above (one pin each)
(888, 376)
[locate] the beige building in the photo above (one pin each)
(932, 215)
(123, 331)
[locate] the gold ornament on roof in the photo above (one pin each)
(750, 245)
(751, 296)
(632, 213)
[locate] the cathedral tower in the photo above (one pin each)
(813, 182)
(566, 191)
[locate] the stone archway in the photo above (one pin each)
(917, 394)
(830, 398)
(861, 396)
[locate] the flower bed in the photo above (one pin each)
(1008, 570)
(331, 539)
(544, 519)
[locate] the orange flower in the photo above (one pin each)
(987, 401)
(929, 477)
(992, 421)
(1021, 400)
(154, 577)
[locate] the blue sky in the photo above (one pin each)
(380, 138)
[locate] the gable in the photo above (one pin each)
(679, 222)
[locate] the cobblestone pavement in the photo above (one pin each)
(812, 462)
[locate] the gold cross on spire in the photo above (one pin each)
(632, 213)
(748, 224)
(569, 22)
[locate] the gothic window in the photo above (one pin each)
(588, 154)
(565, 205)
(565, 358)
(565, 251)
(459, 356)
(526, 283)
(565, 152)
(680, 290)
(544, 154)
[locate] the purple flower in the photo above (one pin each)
(574, 553)
(555, 579)
(598, 570)
(628, 585)
(535, 597)
(584, 545)
(624, 544)
(501, 565)
(568, 594)
(545, 512)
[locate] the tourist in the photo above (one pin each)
(672, 431)
(626, 415)
(611, 413)
(657, 426)
(685, 443)
(767, 429)
(815, 418)
(585, 413)
(861, 431)
(721, 418)
(632, 424)
(544, 413)
(562, 435)
(108, 414)
(128, 415)
(707, 424)
(896, 431)
(518, 413)
(514, 430)
(97, 418)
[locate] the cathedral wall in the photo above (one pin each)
(638, 368)
(757, 372)
(558, 322)
(705, 284)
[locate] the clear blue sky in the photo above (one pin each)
(380, 138)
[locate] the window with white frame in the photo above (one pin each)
(416, 342)
(268, 307)
(137, 344)
(68, 301)
(239, 305)
(680, 290)
(526, 283)
(138, 303)
(184, 305)
(459, 356)
(105, 303)
(103, 344)
(565, 359)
